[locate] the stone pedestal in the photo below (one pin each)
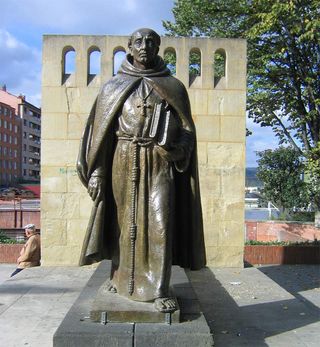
(77, 329)
(112, 308)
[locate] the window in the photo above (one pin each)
(118, 56)
(194, 65)
(4, 137)
(219, 66)
(170, 59)
(15, 128)
(5, 124)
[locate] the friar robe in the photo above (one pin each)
(166, 210)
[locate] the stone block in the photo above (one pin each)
(53, 232)
(225, 155)
(60, 205)
(231, 233)
(74, 184)
(76, 123)
(199, 101)
(59, 255)
(76, 229)
(233, 183)
(53, 179)
(66, 99)
(226, 103)
(85, 205)
(59, 152)
(210, 182)
(54, 126)
(233, 129)
(225, 256)
(208, 128)
(202, 153)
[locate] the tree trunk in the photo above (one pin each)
(317, 219)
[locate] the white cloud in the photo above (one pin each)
(90, 17)
(20, 67)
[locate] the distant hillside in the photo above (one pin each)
(251, 177)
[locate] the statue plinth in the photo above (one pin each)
(77, 329)
(112, 308)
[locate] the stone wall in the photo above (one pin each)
(219, 113)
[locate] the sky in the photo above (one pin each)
(23, 22)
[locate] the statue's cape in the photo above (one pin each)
(188, 242)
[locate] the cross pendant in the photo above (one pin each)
(142, 108)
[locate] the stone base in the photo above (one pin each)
(112, 308)
(77, 329)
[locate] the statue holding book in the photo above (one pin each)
(138, 160)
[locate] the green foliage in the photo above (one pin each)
(7, 240)
(280, 170)
(282, 243)
(171, 60)
(313, 175)
(283, 58)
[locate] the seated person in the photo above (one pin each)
(30, 253)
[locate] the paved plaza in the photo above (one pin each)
(265, 306)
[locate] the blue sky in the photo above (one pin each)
(24, 22)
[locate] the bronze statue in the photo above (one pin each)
(138, 160)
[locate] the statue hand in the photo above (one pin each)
(174, 154)
(96, 188)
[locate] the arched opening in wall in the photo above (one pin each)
(194, 65)
(170, 58)
(68, 63)
(219, 67)
(119, 54)
(94, 63)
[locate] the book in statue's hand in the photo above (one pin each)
(163, 126)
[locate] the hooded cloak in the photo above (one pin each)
(96, 158)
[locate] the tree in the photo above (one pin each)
(283, 58)
(281, 172)
(312, 170)
(283, 63)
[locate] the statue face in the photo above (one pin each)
(143, 49)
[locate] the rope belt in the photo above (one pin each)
(136, 142)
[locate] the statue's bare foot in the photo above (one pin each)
(165, 305)
(109, 287)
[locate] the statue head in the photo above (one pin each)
(144, 46)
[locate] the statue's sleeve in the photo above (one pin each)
(82, 164)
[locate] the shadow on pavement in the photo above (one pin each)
(296, 279)
(246, 325)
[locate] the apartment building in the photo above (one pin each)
(10, 145)
(28, 117)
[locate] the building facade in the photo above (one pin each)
(10, 145)
(28, 119)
